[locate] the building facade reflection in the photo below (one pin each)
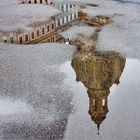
(98, 71)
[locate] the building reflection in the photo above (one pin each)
(98, 71)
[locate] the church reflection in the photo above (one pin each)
(98, 71)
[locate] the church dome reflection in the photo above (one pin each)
(98, 71)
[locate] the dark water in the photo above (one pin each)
(106, 95)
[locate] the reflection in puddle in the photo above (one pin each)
(98, 71)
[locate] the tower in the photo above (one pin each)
(98, 105)
(98, 72)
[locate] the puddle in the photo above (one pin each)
(104, 88)
(105, 91)
(103, 110)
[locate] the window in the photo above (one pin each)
(37, 33)
(71, 17)
(48, 40)
(48, 28)
(70, 6)
(5, 41)
(67, 19)
(20, 40)
(32, 35)
(40, 1)
(52, 26)
(35, 1)
(46, 1)
(26, 38)
(11, 39)
(103, 102)
(29, 2)
(66, 7)
(58, 22)
(74, 15)
(52, 39)
(43, 31)
(62, 7)
(63, 20)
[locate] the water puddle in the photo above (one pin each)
(106, 96)
(104, 85)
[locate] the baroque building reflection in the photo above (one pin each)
(98, 71)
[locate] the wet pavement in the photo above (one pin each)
(76, 95)
(55, 92)
(34, 103)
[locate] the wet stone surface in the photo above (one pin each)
(55, 92)
(34, 102)
(73, 95)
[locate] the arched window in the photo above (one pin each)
(71, 17)
(58, 22)
(74, 15)
(67, 19)
(63, 20)
(52, 26)
(40, 1)
(43, 31)
(26, 38)
(52, 39)
(20, 40)
(48, 40)
(67, 7)
(48, 28)
(32, 35)
(37, 33)
(62, 7)
(35, 1)
(11, 40)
